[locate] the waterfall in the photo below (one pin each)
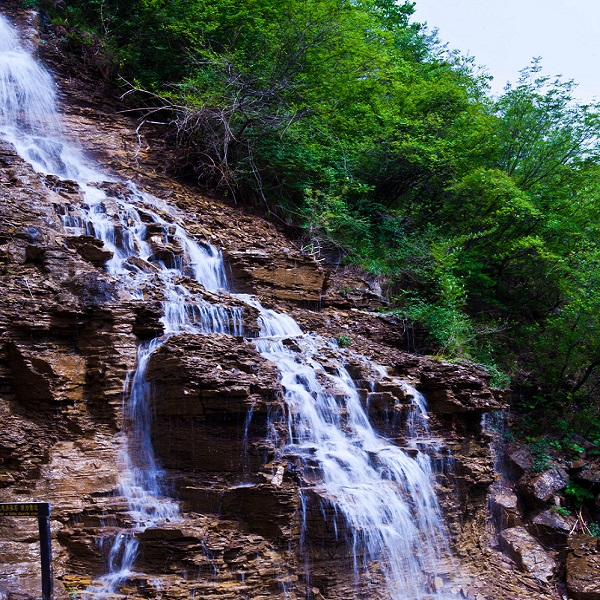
(26, 89)
(501, 493)
(384, 494)
(128, 229)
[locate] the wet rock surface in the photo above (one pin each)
(540, 488)
(583, 567)
(552, 528)
(528, 553)
(69, 337)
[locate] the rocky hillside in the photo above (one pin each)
(69, 337)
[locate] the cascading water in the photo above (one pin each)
(30, 121)
(384, 494)
(501, 492)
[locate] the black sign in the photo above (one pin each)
(42, 511)
(24, 509)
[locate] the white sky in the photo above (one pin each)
(504, 35)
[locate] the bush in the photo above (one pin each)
(577, 494)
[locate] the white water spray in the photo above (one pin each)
(26, 89)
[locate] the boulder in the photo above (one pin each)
(519, 461)
(90, 248)
(289, 277)
(583, 567)
(528, 553)
(590, 475)
(539, 488)
(551, 528)
(504, 508)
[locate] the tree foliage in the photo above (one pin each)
(351, 121)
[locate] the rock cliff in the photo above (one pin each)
(69, 338)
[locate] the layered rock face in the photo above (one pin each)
(253, 525)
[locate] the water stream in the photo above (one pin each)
(383, 494)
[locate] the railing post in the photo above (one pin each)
(46, 551)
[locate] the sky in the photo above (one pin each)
(504, 35)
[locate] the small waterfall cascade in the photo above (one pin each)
(384, 494)
(28, 111)
(502, 497)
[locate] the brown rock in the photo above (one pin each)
(287, 277)
(551, 528)
(504, 505)
(451, 389)
(520, 460)
(539, 488)
(527, 552)
(90, 248)
(590, 474)
(583, 567)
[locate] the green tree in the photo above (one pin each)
(354, 124)
(542, 130)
